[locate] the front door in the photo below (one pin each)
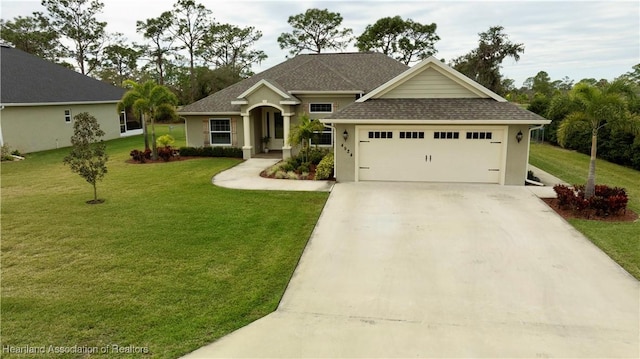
(275, 129)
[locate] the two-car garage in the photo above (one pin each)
(431, 153)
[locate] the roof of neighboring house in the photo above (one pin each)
(435, 109)
(28, 79)
(354, 72)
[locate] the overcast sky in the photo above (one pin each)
(599, 39)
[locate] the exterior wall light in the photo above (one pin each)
(519, 136)
(345, 135)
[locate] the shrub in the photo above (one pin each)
(280, 174)
(233, 152)
(305, 167)
(606, 201)
(165, 153)
(165, 141)
(325, 167)
(6, 153)
(140, 156)
(291, 175)
(317, 154)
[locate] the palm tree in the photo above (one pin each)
(151, 100)
(590, 108)
(304, 132)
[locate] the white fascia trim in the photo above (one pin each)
(432, 61)
(260, 83)
(326, 93)
(59, 103)
(434, 122)
(209, 113)
(239, 102)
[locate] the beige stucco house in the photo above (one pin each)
(385, 121)
(39, 100)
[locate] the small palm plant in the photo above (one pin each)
(151, 100)
(306, 129)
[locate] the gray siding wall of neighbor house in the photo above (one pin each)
(516, 166)
(40, 128)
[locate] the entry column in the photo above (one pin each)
(246, 149)
(286, 148)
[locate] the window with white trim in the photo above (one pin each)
(220, 129)
(323, 138)
(320, 108)
(67, 116)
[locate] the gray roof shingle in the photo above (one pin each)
(29, 79)
(441, 109)
(361, 71)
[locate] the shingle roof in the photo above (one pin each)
(362, 71)
(436, 109)
(29, 79)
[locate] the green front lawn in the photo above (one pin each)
(169, 262)
(621, 241)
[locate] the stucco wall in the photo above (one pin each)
(516, 170)
(345, 153)
(197, 130)
(39, 128)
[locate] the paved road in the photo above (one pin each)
(436, 270)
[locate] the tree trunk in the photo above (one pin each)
(95, 192)
(590, 189)
(154, 149)
(145, 132)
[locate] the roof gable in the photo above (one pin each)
(28, 79)
(335, 73)
(272, 86)
(431, 79)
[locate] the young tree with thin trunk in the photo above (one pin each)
(592, 108)
(151, 100)
(88, 156)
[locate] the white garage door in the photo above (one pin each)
(431, 154)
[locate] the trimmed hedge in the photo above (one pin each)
(233, 152)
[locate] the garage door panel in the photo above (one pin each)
(433, 155)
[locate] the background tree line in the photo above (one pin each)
(188, 51)
(193, 55)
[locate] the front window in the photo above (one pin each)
(323, 138)
(220, 132)
(320, 108)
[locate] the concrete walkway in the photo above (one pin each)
(246, 175)
(399, 270)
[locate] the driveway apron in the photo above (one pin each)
(442, 270)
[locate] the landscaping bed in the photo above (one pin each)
(627, 216)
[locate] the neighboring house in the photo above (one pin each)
(386, 122)
(39, 99)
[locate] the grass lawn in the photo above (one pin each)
(169, 262)
(621, 241)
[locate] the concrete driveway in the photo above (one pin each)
(441, 270)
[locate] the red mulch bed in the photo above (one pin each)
(627, 216)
